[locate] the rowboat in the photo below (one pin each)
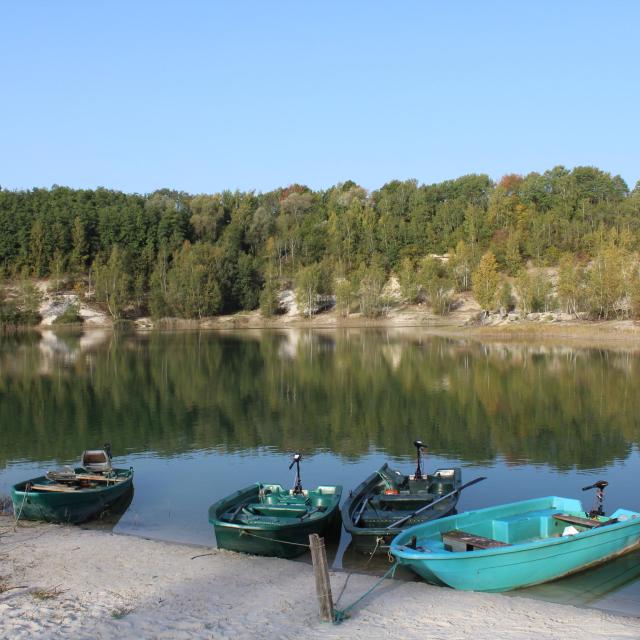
(269, 520)
(73, 495)
(516, 545)
(387, 496)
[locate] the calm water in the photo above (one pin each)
(201, 414)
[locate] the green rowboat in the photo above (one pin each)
(387, 496)
(269, 520)
(70, 497)
(515, 545)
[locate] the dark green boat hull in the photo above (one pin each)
(68, 507)
(276, 537)
(371, 535)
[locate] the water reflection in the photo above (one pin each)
(344, 391)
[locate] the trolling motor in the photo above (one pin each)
(297, 487)
(597, 507)
(107, 450)
(419, 448)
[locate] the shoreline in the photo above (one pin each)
(64, 581)
(580, 334)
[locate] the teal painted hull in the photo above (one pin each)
(535, 551)
(68, 507)
(275, 524)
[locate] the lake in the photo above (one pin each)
(199, 415)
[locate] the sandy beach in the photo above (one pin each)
(67, 582)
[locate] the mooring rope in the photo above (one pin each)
(27, 488)
(339, 615)
(255, 535)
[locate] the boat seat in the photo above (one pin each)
(581, 522)
(279, 510)
(402, 501)
(456, 540)
(281, 499)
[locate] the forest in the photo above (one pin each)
(169, 253)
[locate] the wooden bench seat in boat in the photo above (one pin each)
(401, 501)
(277, 510)
(581, 522)
(456, 540)
(65, 488)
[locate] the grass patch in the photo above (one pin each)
(44, 593)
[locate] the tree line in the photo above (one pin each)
(170, 253)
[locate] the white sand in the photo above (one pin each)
(114, 586)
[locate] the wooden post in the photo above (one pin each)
(321, 572)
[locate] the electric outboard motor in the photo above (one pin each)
(419, 448)
(297, 487)
(599, 486)
(107, 450)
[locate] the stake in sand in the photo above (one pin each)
(321, 572)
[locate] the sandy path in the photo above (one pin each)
(115, 586)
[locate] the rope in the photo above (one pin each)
(27, 488)
(255, 535)
(339, 615)
(379, 539)
(344, 586)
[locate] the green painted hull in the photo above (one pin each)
(535, 549)
(266, 520)
(69, 507)
(368, 526)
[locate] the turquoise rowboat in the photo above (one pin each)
(515, 545)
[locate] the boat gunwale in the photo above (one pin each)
(80, 491)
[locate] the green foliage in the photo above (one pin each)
(485, 281)
(69, 315)
(113, 282)
(505, 297)
(19, 304)
(523, 219)
(345, 295)
(571, 284)
(192, 288)
(436, 285)
(534, 291)
(370, 291)
(308, 287)
(158, 285)
(513, 258)
(606, 282)
(408, 278)
(461, 264)
(269, 298)
(28, 300)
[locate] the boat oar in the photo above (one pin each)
(435, 502)
(361, 507)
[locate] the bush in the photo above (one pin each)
(69, 315)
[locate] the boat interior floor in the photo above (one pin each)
(509, 530)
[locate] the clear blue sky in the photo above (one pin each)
(203, 96)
